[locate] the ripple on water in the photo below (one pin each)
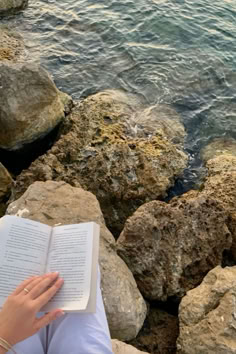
(179, 52)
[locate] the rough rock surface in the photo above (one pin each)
(220, 146)
(30, 104)
(57, 202)
(12, 5)
(111, 150)
(11, 45)
(123, 348)
(170, 247)
(5, 182)
(159, 333)
(207, 315)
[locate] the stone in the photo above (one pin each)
(119, 347)
(7, 6)
(6, 182)
(159, 333)
(112, 151)
(207, 315)
(11, 45)
(30, 104)
(219, 146)
(56, 203)
(170, 247)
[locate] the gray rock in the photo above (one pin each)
(207, 315)
(59, 203)
(30, 104)
(12, 5)
(170, 247)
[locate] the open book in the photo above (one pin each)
(31, 248)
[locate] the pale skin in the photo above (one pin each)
(18, 316)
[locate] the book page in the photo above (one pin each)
(70, 254)
(23, 251)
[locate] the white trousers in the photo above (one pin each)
(72, 334)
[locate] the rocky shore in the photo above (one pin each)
(168, 268)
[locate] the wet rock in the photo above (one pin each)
(6, 182)
(30, 104)
(220, 146)
(12, 5)
(59, 203)
(123, 348)
(159, 334)
(112, 151)
(170, 247)
(11, 45)
(207, 315)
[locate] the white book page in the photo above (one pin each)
(23, 252)
(70, 253)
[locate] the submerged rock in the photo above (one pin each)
(56, 203)
(207, 315)
(113, 150)
(170, 247)
(11, 45)
(220, 146)
(12, 5)
(30, 104)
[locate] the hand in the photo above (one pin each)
(18, 316)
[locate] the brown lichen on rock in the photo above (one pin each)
(11, 45)
(109, 153)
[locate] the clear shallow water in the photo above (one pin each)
(180, 52)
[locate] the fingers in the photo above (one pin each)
(23, 285)
(48, 318)
(38, 286)
(48, 294)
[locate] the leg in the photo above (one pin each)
(32, 345)
(81, 333)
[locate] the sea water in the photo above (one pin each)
(176, 52)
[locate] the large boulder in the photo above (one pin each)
(30, 104)
(12, 5)
(170, 247)
(119, 347)
(59, 203)
(11, 45)
(121, 153)
(207, 315)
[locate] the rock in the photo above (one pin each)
(170, 247)
(220, 146)
(123, 348)
(57, 202)
(12, 5)
(11, 45)
(207, 315)
(30, 104)
(5, 182)
(112, 151)
(159, 333)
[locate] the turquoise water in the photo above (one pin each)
(178, 52)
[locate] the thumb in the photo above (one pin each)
(48, 318)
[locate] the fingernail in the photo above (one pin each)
(60, 314)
